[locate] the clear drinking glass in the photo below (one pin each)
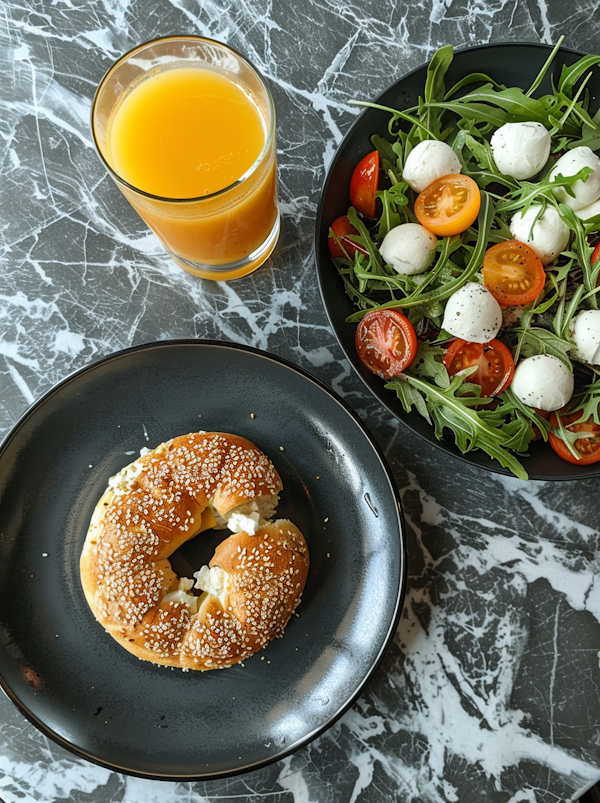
(220, 233)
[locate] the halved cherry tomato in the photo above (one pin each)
(495, 364)
(587, 448)
(449, 205)
(363, 184)
(513, 273)
(386, 342)
(344, 246)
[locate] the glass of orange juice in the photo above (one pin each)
(186, 127)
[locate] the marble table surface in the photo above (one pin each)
(490, 690)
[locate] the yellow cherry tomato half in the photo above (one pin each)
(448, 205)
(513, 273)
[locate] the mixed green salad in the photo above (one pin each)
(470, 251)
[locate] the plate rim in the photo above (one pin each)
(400, 595)
(445, 445)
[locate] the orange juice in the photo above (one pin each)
(190, 141)
(185, 132)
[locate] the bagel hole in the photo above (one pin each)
(195, 553)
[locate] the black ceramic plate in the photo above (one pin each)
(83, 690)
(509, 64)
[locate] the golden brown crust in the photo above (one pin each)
(153, 506)
(266, 575)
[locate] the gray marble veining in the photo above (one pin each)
(490, 690)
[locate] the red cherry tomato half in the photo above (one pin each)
(386, 342)
(449, 205)
(513, 273)
(586, 448)
(495, 364)
(363, 185)
(344, 246)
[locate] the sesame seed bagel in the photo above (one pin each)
(167, 496)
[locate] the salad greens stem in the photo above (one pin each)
(396, 113)
(572, 107)
(540, 76)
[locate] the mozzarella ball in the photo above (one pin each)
(549, 235)
(408, 248)
(589, 211)
(585, 333)
(586, 192)
(428, 161)
(473, 314)
(543, 381)
(520, 150)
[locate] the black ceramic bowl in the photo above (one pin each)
(509, 64)
(74, 682)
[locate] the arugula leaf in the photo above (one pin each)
(364, 237)
(540, 76)
(482, 153)
(387, 153)
(451, 411)
(588, 401)
(396, 115)
(391, 200)
(570, 75)
(530, 192)
(478, 112)
(410, 397)
(488, 173)
(520, 432)
(592, 140)
(513, 101)
(573, 108)
(428, 363)
(472, 78)
(536, 340)
(583, 251)
(435, 88)
(510, 405)
(436, 72)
